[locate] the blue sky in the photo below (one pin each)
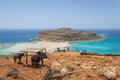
(37, 14)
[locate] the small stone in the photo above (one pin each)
(95, 67)
(63, 60)
(64, 70)
(86, 66)
(76, 63)
(92, 63)
(38, 76)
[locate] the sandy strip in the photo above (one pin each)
(50, 46)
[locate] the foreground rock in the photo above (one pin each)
(109, 72)
(67, 34)
(56, 71)
(13, 73)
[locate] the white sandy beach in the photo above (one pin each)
(50, 46)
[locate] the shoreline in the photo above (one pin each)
(103, 38)
(50, 46)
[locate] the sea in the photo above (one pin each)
(111, 43)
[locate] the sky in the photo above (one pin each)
(49, 14)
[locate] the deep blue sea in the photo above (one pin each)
(111, 44)
(13, 36)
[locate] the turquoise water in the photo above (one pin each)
(111, 44)
(4, 46)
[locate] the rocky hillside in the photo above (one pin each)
(67, 65)
(67, 34)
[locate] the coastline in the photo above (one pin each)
(103, 38)
(50, 46)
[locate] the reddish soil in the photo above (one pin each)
(74, 59)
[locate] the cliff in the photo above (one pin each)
(67, 34)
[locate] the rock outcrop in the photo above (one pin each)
(56, 71)
(67, 34)
(109, 72)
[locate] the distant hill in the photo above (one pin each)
(67, 34)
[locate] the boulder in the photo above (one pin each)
(50, 73)
(57, 71)
(109, 72)
(13, 73)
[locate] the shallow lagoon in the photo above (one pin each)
(111, 44)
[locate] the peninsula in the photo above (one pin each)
(67, 34)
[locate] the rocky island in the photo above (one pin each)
(67, 34)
